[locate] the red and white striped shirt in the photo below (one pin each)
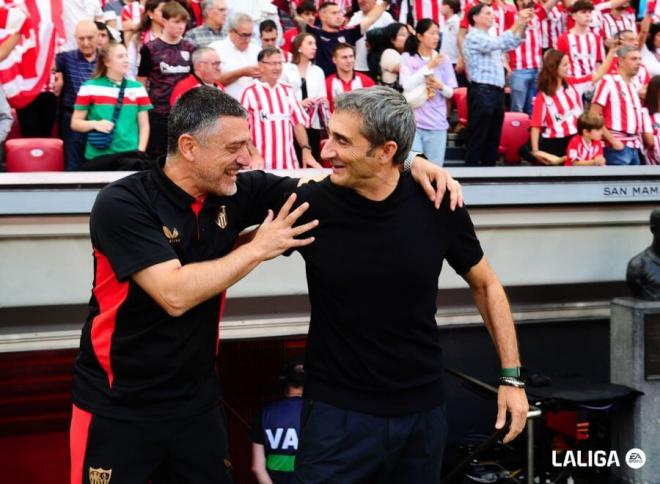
(335, 86)
(528, 54)
(583, 50)
(651, 124)
(622, 109)
(612, 25)
(132, 12)
(503, 13)
(579, 150)
(272, 114)
(556, 116)
(553, 26)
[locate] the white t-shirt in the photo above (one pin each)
(73, 12)
(233, 59)
(361, 45)
(449, 45)
(389, 65)
(315, 82)
(650, 61)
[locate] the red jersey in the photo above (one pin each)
(553, 26)
(580, 150)
(612, 25)
(622, 109)
(272, 114)
(185, 85)
(528, 54)
(556, 116)
(335, 86)
(504, 15)
(583, 50)
(289, 35)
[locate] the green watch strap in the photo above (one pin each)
(510, 372)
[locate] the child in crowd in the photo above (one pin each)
(586, 147)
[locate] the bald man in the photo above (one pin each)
(73, 68)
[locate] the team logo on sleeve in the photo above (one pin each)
(221, 219)
(185, 54)
(99, 476)
(172, 235)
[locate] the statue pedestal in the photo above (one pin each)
(635, 362)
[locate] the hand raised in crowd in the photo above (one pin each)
(104, 126)
(277, 234)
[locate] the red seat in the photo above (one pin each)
(515, 134)
(34, 154)
(460, 100)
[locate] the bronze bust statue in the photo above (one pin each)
(643, 274)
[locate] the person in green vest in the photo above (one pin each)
(96, 108)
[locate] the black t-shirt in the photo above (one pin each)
(327, 40)
(136, 361)
(164, 65)
(373, 344)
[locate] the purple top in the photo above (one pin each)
(433, 113)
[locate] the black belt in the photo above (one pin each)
(486, 86)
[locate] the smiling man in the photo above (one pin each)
(374, 395)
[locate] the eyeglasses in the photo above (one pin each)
(243, 35)
(272, 63)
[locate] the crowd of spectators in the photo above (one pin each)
(585, 73)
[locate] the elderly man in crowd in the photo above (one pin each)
(74, 67)
(483, 57)
(617, 100)
(214, 13)
(239, 56)
(206, 72)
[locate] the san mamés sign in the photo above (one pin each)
(633, 190)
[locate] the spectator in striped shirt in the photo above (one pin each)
(651, 114)
(619, 18)
(557, 106)
(345, 79)
(617, 101)
(96, 102)
(525, 60)
(214, 13)
(276, 116)
(584, 48)
(586, 147)
(73, 68)
(641, 80)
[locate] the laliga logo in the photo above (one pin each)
(635, 458)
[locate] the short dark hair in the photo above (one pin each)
(267, 52)
(267, 26)
(589, 121)
(476, 10)
(325, 5)
(174, 10)
(581, 5)
(196, 111)
(340, 46)
(305, 7)
(455, 5)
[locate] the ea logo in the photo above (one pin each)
(635, 458)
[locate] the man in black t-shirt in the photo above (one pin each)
(374, 392)
(331, 32)
(145, 388)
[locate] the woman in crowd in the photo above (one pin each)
(651, 50)
(97, 103)
(428, 80)
(651, 116)
(308, 81)
(557, 107)
(150, 28)
(384, 58)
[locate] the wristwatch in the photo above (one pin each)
(519, 372)
(305, 147)
(407, 163)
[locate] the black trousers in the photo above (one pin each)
(38, 117)
(485, 118)
(157, 145)
(340, 446)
